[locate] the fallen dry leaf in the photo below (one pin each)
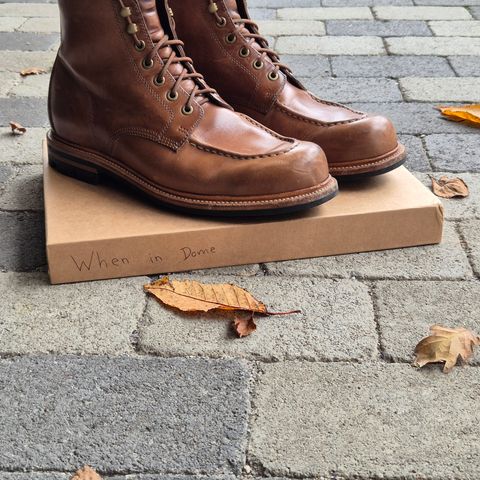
(86, 473)
(32, 71)
(469, 113)
(192, 296)
(449, 187)
(445, 345)
(244, 326)
(17, 128)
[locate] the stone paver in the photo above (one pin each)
(456, 152)
(24, 191)
(29, 41)
(336, 323)
(330, 45)
(433, 45)
(129, 414)
(466, 89)
(29, 111)
(456, 28)
(89, 318)
(417, 159)
(465, 66)
(385, 67)
(22, 148)
(447, 260)
(366, 421)
(458, 208)
(470, 231)
(295, 27)
(23, 241)
(345, 89)
(355, 13)
(36, 9)
(15, 61)
(43, 24)
(308, 65)
(31, 86)
(406, 310)
(392, 28)
(421, 13)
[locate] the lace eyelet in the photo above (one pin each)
(273, 76)
(159, 81)
(257, 64)
(147, 63)
(172, 96)
(140, 46)
(244, 52)
(222, 22)
(231, 38)
(187, 110)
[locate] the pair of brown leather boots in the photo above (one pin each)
(126, 102)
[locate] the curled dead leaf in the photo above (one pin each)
(449, 187)
(462, 113)
(86, 473)
(32, 71)
(445, 345)
(244, 326)
(17, 128)
(192, 296)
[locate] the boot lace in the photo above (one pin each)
(250, 31)
(198, 92)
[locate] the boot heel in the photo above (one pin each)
(73, 166)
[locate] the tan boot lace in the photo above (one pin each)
(198, 92)
(250, 31)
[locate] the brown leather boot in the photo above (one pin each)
(235, 59)
(126, 103)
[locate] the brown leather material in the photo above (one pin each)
(109, 116)
(350, 139)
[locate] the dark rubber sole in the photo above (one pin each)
(360, 176)
(80, 169)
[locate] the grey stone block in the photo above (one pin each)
(23, 241)
(406, 310)
(454, 153)
(364, 3)
(24, 191)
(88, 318)
(25, 148)
(123, 415)
(6, 173)
(28, 41)
(336, 323)
(33, 476)
(389, 28)
(416, 157)
(307, 66)
(444, 261)
(458, 208)
(30, 112)
(415, 118)
(386, 66)
(471, 234)
(466, 66)
(351, 90)
(475, 11)
(262, 14)
(366, 421)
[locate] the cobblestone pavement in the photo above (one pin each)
(96, 373)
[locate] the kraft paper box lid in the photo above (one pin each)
(97, 232)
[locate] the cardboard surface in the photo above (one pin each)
(97, 232)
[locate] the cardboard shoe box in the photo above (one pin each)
(97, 232)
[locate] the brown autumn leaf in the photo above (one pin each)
(32, 71)
(192, 296)
(468, 113)
(17, 128)
(86, 473)
(449, 187)
(446, 345)
(244, 326)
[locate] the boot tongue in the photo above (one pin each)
(157, 32)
